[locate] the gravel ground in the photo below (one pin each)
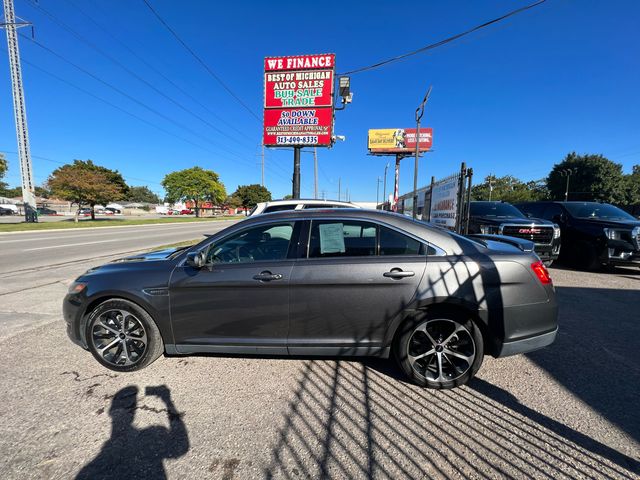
(568, 411)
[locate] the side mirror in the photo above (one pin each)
(196, 259)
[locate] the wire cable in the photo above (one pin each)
(442, 42)
(199, 60)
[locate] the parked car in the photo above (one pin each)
(283, 205)
(186, 211)
(593, 234)
(499, 218)
(84, 211)
(112, 211)
(343, 282)
(46, 211)
(5, 211)
(12, 209)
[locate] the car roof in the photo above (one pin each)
(306, 200)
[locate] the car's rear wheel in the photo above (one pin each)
(440, 350)
(122, 336)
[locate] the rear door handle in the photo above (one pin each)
(397, 273)
(267, 276)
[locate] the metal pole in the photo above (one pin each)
(20, 113)
(467, 202)
(296, 172)
(339, 189)
(395, 184)
(315, 172)
(378, 192)
(262, 165)
(384, 187)
(566, 192)
(490, 187)
(419, 113)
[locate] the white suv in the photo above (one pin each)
(281, 205)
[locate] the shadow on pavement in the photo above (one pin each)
(354, 420)
(596, 355)
(138, 453)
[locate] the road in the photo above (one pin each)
(567, 411)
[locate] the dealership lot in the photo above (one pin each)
(568, 411)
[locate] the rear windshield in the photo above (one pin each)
(490, 209)
(597, 210)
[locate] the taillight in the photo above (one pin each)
(541, 272)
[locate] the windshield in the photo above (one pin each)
(495, 209)
(597, 210)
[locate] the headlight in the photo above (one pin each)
(556, 231)
(488, 229)
(635, 232)
(612, 234)
(77, 287)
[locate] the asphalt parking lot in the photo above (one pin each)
(568, 411)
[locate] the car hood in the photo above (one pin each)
(515, 220)
(150, 256)
(597, 222)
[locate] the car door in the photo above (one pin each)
(239, 301)
(356, 278)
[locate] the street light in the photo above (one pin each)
(384, 186)
(567, 172)
(419, 113)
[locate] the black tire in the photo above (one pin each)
(134, 336)
(454, 372)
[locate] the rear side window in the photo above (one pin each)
(356, 239)
(326, 205)
(342, 239)
(280, 208)
(533, 209)
(395, 243)
(552, 210)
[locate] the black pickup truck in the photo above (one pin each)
(499, 218)
(593, 234)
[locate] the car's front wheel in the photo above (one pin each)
(122, 336)
(440, 350)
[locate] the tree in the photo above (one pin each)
(632, 187)
(509, 189)
(84, 183)
(593, 177)
(196, 185)
(287, 197)
(250, 195)
(142, 194)
(4, 166)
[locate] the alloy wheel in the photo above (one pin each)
(441, 350)
(119, 337)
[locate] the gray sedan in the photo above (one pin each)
(341, 282)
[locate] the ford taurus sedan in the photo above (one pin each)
(341, 282)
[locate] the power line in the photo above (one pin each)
(442, 42)
(199, 60)
(158, 72)
(125, 68)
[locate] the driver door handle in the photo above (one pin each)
(397, 273)
(267, 276)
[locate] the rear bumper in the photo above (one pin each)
(527, 344)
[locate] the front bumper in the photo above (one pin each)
(73, 309)
(620, 252)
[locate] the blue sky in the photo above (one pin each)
(513, 98)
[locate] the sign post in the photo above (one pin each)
(298, 104)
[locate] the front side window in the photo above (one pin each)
(262, 243)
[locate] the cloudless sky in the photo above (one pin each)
(514, 98)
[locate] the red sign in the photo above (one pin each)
(284, 126)
(298, 100)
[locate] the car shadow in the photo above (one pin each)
(131, 452)
(596, 355)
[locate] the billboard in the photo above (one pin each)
(298, 100)
(444, 202)
(399, 140)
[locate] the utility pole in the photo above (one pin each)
(419, 114)
(315, 173)
(567, 173)
(20, 111)
(384, 186)
(490, 186)
(378, 192)
(296, 172)
(339, 189)
(262, 165)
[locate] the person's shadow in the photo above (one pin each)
(138, 453)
